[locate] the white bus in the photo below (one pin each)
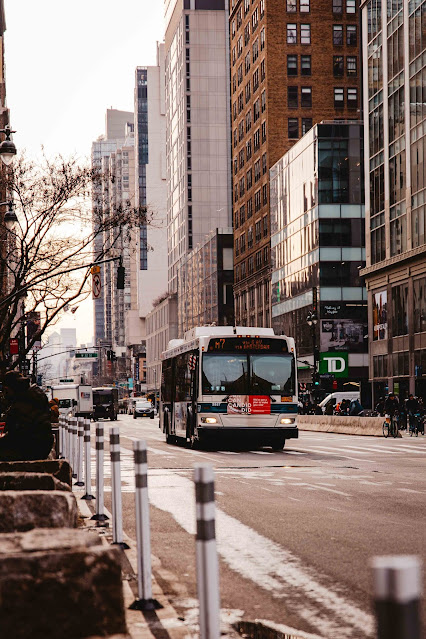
(225, 381)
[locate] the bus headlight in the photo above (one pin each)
(209, 420)
(287, 420)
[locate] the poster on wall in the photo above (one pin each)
(380, 315)
(343, 335)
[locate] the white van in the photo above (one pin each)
(337, 397)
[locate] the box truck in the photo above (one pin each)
(74, 399)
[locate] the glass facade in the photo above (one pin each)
(142, 151)
(395, 144)
(317, 243)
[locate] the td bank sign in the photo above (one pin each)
(336, 364)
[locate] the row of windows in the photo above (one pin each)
(293, 127)
(304, 6)
(238, 105)
(302, 33)
(260, 197)
(254, 262)
(261, 230)
(293, 97)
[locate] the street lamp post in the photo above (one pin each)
(312, 321)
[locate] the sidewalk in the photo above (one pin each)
(157, 624)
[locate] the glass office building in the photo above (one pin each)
(317, 243)
(394, 56)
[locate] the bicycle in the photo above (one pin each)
(390, 426)
(414, 420)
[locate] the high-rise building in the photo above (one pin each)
(115, 124)
(394, 59)
(150, 171)
(317, 240)
(197, 125)
(293, 63)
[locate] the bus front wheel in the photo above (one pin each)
(278, 445)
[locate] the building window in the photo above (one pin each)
(241, 158)
(250, 238)
(236, 223)
(262, 38)
(248, 121)
(249, 177)
(256, 110)
(292, 33)
(351, 68)
(400, 310)
(257, 201)
(246, 7)
(257, 171)
(419, 289)
(291, 6)
(337, 34)
(246, 34)
(305, 34)
(337, 6)
(256, 140)
(247, 62)
(306, 97)
(265, 225)
(242, 214)
(258, 230)
(250, 265)
(258, 260)
(235, 138)
(263, 101)
(243, 243)
(255, 19)
(237, 244)
(249, 204)
(352, 98)
(247, 91)
(264, 194)
(255, 80)
(292, 65)
(338, 66)
(305, 64)
(233, 28)
(255, 49)
(248, 150)
(262, 71)
(306, 125)
(351, 35)
(339, 98)
(235, 166)
(292, 97)
(262, 8)
(265, 261)
(263, 132)
(293, 128)
(264, 164)
(350, 6)
(305, 6)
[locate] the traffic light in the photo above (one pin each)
(121, 273)
(108, 354)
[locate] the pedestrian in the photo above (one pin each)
(54, 410)
(28, 431)
(355, 408)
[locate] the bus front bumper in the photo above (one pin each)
(255, 432)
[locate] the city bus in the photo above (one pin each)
(234, 383)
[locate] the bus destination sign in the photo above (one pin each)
(241, 344)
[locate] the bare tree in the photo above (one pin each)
(45, 259)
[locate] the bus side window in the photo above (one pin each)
(166, 381)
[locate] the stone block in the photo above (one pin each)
(59, 468)
(31, 481)
(59, 583)
(25, 510)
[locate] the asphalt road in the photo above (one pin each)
(296, 529)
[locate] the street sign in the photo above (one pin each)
(13, 346)
(85, 355)
(95, 269)
(66, 380)
(96, 286)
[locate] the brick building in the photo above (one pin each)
(293, 63)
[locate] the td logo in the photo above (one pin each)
(335, 364)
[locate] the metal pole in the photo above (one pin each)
(61, 436)
(74, 446)
(117, 509)
(87, 461)
(80, 433)
(145, 600)
(100, 515)
(207, 562)
(397, 592)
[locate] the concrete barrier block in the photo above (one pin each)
(372, 426)
(59, 583)
(59, 468)
(31, 481)
(24, 510)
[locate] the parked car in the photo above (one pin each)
(143, 408)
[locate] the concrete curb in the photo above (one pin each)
(372, 426)
(140, 625)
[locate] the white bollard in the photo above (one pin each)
(100, 514)
(67, 439)
(117, 508)
(143, 538)
(87, 461)
(207, 562)
(61, 437)
(80, 436)
(74, 446)
(397, 593)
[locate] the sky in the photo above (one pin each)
(66, 63)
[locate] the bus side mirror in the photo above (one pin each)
(74, 402)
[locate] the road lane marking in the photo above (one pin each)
(267, 564)
(411, 490)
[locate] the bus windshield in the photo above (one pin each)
(263, 374)
(102, 398)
